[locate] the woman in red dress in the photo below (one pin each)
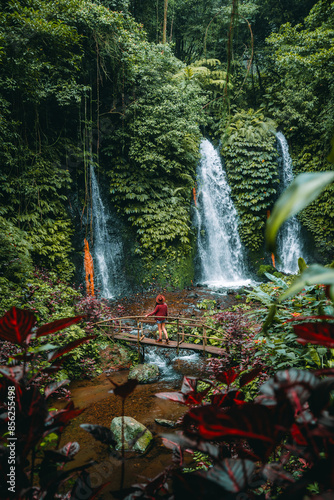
(160, 312)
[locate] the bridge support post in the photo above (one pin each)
(138, 339)
(204, 339)
(177, 333)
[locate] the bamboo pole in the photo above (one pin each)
(203, 341)
(138, 341)
(177, 333)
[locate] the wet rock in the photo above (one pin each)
(193, 295)
(132, 429)
(144, 373)
(165, 423)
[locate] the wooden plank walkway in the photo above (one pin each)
(210, 349)
(119, 330)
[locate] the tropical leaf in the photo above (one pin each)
(313, 275)
(16, 325)
(304, 189)
(315, 333)
(232, 475)
(57, 325)
(51, 388)
(247, 377)
(68, 347)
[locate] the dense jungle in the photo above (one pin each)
(152, 147)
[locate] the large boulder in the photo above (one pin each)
(132, 429)
(144, 373)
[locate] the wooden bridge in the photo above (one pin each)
(134, 329)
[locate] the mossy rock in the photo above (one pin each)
(132, 428)
(265, 269)
(144, 373)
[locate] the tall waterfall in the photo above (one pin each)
(220, 250)
(289, 243)
(107, 248)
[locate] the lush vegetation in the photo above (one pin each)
(87, 83)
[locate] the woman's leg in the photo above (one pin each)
(163, 327)
(160, 331)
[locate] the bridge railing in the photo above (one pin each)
(118, 328)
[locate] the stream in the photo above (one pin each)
(142, 405)
(101, 406)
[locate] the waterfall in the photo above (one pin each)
(107, 248)
(220, 251)
(289, 242)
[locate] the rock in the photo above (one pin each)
(165, 423)
(193, 295)
(144, 373)
(132, 429)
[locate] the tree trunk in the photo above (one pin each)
(165, 22)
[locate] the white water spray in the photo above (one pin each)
(289, 243)
(107, 248)
(220, 250)
(171, 364)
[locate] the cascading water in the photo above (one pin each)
(107, 248)
(172, 365)
(289, 242)
(220, 250)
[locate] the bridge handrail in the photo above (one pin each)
(116, 323)
(145, 317)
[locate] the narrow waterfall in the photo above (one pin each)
(220, 251)
(107, 248)
(289, 242)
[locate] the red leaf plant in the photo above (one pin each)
(25, 419)
(255, 448)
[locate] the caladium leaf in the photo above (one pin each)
(57, 325)
(69, 347)
(51, 388)
(276, 474)
(16, 326)
(253, 422)
(315, 333)
(57, 420)
(227, 377)
(247, 377)
(292, 383)
(233, 475)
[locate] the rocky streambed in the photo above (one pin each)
(102, 406)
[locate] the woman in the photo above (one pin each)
(160, 312)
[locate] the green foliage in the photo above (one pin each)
(277, 338)
(152, 179)
(263, 269)
(207, 304)
(52, 247)
(304, 189)
(300, 96)
(248, 147)
(15, 258)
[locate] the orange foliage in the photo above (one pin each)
(194, 195)
(272, 255)
(89, 270)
